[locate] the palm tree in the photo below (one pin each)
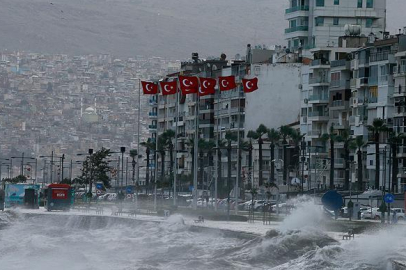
(394, 141)
(244, 146)
(358, 144)
(378, 126)
(332, 137)
(165, 143)
(285, 132)
(191, 144)
(210, 145)
(202, 147)
(346, 139)
(273, 137)
(221, 145)
(133, 155)
(149, 145)
(257, 135)
(229, 138)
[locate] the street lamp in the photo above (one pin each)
(22, 162)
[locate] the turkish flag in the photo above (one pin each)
(149, 88)
(250, 85)
(207, 86)
(169, 88)
(227, 83)
(188, 85)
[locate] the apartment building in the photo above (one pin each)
(319, 23)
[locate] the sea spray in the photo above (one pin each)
(306, 215)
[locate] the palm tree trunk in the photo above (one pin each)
(162, 168)
(219, 179)
(272, 162)
(147, 173)
(170, 168)
(250, 164)
(260, 162)
(395, 166)
(332, 160)
(377, 159)
(360, 167)
(347, 167)
(285, 165)
(228, 176)
(201, 162)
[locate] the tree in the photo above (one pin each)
(378, 126)
(221, 184)
(346, 139)
(332, 137)
(257, 135)
(15, 180)
(394, 141)
(229, 138)
(358, 144)
(273, 137)
(208, 147)
(149, 145)
(95, 169)
(285, 133)
(133, 155)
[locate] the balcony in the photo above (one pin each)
(340, 84)
(400, 70)
(318, 116)
(315, 81)
(320, 63)
(372, 99)
(382, 56)
(153, 114)
(317, 98)
(302, 28)
(338, 104)
(339, 163)
(340, 63)
(314, 133)
(297, 8)
(152, 127)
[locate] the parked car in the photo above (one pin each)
(371, 214)
(400, 213)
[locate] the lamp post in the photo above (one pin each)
(22, 162)
(122, 150)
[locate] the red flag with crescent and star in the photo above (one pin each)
(227, 83)
(207, 86)
(149, 88)
(188, 85)
(250, 85)
(169, 88)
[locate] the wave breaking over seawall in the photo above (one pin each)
(101, 242)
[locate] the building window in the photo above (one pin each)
(369, 22)
(319, 3)
(336, 2)
(359, 4)
(336, 21)
(319, 21)
(370, 3)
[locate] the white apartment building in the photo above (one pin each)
(319, 23)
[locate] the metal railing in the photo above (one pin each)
(297, 8)
(318, 97)
(318, 114)
(338, 63)
(297, 28)
(318, 80)
(318, 62)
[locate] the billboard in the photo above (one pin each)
(15, 194)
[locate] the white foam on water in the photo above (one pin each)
(306, 215)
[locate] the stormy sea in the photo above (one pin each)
(94, 242)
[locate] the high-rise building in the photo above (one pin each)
(319, 23)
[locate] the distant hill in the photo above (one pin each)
(168, 28)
